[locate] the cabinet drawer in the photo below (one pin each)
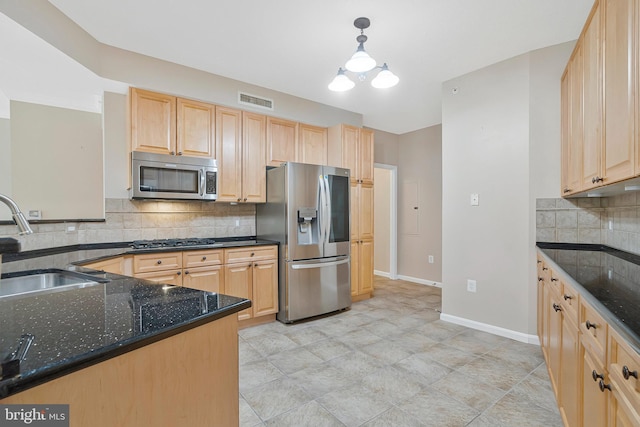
(570, 301)
(594, 331)
(157, 262)
(205, 258)
(164, 277)
(624, 368)
(250, 254)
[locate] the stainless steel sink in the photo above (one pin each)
(44, 280)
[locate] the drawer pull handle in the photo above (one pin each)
(554, 279)
(596, 375)
(185, 272)
(539, 262)
(253, 253)
(545, 268)
(159, 262)
(204, 258)
(556, 307)
(626, 373)
(567, 297)
(590, 325)
(179, 273)
(540, 279)
(604, 386)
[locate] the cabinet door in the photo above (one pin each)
(238, 283)
(569, 372)
(355, 267)
(365, 214)
(265, 288)
(592, 148)
(350, 146)
(165, 277)
(594, 402)
(196, 128)
(365, 153)
(153, 122)
(229, 154)
(366, 266)
(355, 211)
(619, 59)
(312, 145)
(576, 127)
(281, 141)
(555, 341)
(209, 279)
(565, 124)
(254, 172)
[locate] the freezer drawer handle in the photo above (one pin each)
(319, 265)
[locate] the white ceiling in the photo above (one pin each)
(296, 46)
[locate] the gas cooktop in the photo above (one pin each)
(172, 243)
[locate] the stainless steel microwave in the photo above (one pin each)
(160, 176)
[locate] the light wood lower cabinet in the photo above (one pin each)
(246, 272)
(593, 370)
(178, 381)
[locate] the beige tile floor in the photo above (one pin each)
(390, 361)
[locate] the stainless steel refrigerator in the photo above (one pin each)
(307, 211)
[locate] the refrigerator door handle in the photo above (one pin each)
(321, 210)
(319, 264)
(328, 197)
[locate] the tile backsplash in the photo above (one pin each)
(128, 220)
(612, 221)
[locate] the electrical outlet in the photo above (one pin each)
(237, 223)
(430, 259)
(610, 225)
(475, 199)
(471, 285)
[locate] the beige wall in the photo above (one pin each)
(418, 156)
(5, 163)
(382, 220)
(492, 128)
(59, 153)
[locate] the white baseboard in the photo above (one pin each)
(382, 273)
(495, 330)
(420, 281)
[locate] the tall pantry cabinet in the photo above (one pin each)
(352, 147)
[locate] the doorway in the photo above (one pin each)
(385, 220)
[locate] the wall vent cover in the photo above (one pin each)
(256, 101)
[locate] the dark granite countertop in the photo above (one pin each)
(62, 256)
(9, 245)
(609, 278)
(76, 328)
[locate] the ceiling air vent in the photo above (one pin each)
(256, 101)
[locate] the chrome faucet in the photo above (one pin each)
(18, 217)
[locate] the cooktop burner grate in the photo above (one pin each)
(171, 243)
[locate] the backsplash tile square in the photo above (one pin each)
(613, 221)
(127, 220)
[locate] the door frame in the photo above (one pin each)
(393, 219)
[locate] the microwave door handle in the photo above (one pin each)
(201, 175)
(329, 212)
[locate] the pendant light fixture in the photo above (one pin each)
(361, 63)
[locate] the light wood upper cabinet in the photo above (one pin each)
(600, 100)
(196, 128)
(592, 148)
(365, 156)
(312, 144)
(281, 141)
(229, 154)
(153, 121)
(166, 124)
(241, 152)
(254, 174)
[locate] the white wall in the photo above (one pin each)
(496, 128)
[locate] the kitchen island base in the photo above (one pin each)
(189, 379)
